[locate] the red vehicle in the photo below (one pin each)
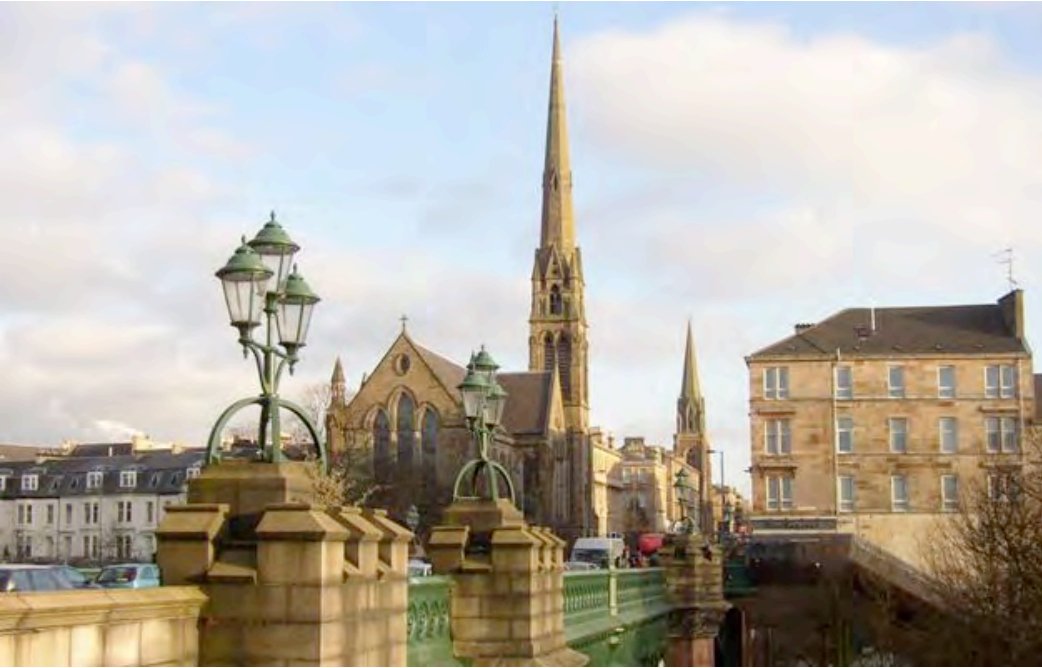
(649, 543)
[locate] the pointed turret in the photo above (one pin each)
(689, 387)
(558, 224)
(690, 405)
(337, 385)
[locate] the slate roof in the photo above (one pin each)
(528, 401)
(974, 329)
(448, 372)
(101, 449)
(161, 472)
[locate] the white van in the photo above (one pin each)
(599, 551)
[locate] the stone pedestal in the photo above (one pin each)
(288, 582)
(508, 587)
(695, 584)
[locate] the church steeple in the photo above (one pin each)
(338, 385)
(558, 223)
(558, 317)
(690, 404)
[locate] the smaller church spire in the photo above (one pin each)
(689, 386)
(337, 385)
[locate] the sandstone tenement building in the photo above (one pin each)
(882, 419)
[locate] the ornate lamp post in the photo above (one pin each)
(284, 305)
(483, 403)
(686, 524)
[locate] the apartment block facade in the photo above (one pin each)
(885, 418)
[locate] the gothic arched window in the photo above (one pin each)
(382, 447)
(555, 300)
(406, 433)
(429, 446)
(564, 365)
(548, 351)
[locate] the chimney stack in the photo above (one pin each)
(1012, 306)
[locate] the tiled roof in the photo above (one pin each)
(975, 329)
(101, 449)
(528, 401)
(448, 372)
(160, 472)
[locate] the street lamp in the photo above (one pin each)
(286, 304)
(483, 403)
(686, 524)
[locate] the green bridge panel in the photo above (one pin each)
(429, 634)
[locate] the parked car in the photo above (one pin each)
(78, 579)
(32, 577)
(579, 566)
(128, 576)
(600, 551)
(420, 568)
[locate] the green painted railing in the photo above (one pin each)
(430, 623)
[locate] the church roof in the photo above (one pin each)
(448, 372)
(528, 401)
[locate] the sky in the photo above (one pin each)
(745, 166)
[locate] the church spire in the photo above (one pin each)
(689, 386)
(558, 224)
(338, 385)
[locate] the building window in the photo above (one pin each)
(949, 493)
(1000, 381)
(25, 514)
(949, 431)
(150, 511)
(382, 447)
(193, 472)
(406, 433)
(68, 514)
(90, 547)
(128, 478)
(779, 493)
(946, 382)
(1002, 487)
(845, 435)
(898, 434)
(3, 483)
(24, 546)
(124, 512)
(895, 379)
(94, 479)
(125, 546)
(846, 493)
(776, 382)
(899, 494)
(50, 514)
(91, 513)
(778, 437)
(30, 482)
(844, 383)
(1001, 434)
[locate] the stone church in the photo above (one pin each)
(409, 414)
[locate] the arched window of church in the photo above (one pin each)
(549, 356)
(555, 300)
(406, 433)
(564, 365)
(382, 447)
(429, 446)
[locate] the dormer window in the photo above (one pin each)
(94, 479)
(555, 301)
(154, 481)
(30, 482)
(192, 472)
(128, 478)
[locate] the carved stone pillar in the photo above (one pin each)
(695, 583)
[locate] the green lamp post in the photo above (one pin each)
(284, 305)
(686, 524)
(483, 403)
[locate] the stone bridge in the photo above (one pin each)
(256, 574)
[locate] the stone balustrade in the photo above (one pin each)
(101, 627)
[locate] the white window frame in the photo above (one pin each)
(192, 472)
(892, 441)
(1004, 383)
(30, 482)
(49, 517)
(1001, 434)
(949, 504)
(899, 504)
(3, 482)
(95, 479)
(895, 391)
(846, 505)
(91, 513)
(845, 425)
(150, 512)
(946, 391)
(777, 432)
(776, 382)
(779, 493)
(128, 478)
(941, 432)
(124, 511)
(845, 391)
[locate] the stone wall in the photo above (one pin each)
(131, 627)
